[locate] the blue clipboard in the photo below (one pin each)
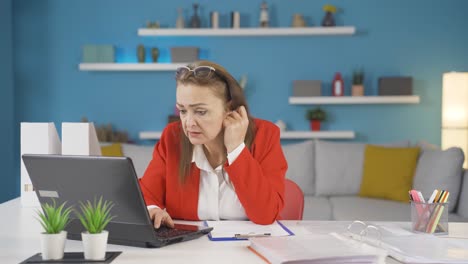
(240, 239)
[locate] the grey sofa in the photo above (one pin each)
(330, 173)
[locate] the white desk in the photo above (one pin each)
(19, 239)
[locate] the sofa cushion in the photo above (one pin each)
(388, 172)
(112, 150)
(439, 169)
(338, 169)
(141, 156)
(300, 158)
(317, 208)
(462, 209)
(350, 208)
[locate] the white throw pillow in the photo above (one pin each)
(339, 166)
(300, 158)
(141, 156)
(438, 169)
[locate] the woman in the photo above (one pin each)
(218, 162)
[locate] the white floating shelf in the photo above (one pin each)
(130, 66)
(283, 135)
(316, 134)
(150, 135)
(248, 31)
(410, 99)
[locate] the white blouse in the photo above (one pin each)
(217, 198)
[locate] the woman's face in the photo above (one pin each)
(201, 112)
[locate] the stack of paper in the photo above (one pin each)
(408, 247)
(325, 249)
(426, 249)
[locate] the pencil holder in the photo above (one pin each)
(429, 218)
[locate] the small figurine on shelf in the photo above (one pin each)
(315, 116)
(141, 53)
(264, 19)
(328, 19)
(358, 83)
(150, 24)
(338, 85)
(180, 22)
(155, 54)
(195, 20)
(298, 21)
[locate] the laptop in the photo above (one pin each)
(81, 178)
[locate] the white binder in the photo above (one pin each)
(80, 139)
(36, 138)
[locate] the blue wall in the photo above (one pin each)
(9, 180)
(420, 38)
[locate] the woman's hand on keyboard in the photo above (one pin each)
(160, 217)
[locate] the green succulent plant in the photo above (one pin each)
(316, 114)
(96, 215)
(358, 77)
(54, 218)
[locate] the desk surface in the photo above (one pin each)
(19, 239)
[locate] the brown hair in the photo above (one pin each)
(225, 87)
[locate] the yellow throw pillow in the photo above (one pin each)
(388, 172)
(113, 150)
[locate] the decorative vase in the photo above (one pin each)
(180, 22)
(95, 245)
(155, 54)
(53, 245)
(195, 19)
(141, 53)
(357, 90)
(328, 20)
(338, 85)
(315, 125)
(298, 21)
(264, 17)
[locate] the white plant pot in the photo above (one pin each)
(95, 245)
(53, 245)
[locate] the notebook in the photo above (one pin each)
(324, 249)
(408, 247)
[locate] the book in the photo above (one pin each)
(408, 247)
(324, 249)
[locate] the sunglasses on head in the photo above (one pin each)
(202, 72)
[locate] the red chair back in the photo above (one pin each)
(293, 202)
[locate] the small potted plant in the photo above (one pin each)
(315, 116)
(358, 83)
(328, 20)
(94, 217)
(53, 218)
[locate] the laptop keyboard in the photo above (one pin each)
(166, 232)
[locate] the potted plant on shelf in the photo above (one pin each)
(94, 217)
(315, 116)
(328, 20)
(53, 219)
(358, 83)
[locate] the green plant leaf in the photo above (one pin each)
(54, 218)
(96, 215)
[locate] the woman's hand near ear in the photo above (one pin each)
(235, 128)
